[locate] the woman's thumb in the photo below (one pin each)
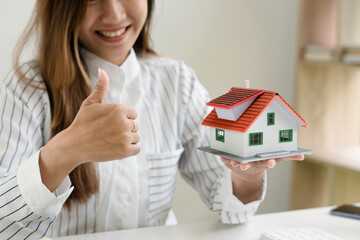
(98, 94)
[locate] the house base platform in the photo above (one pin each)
(256, 158)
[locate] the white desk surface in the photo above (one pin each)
(346, 228)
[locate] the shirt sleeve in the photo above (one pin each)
(203, 171)
(233, 210)
(27, 208)
(36, 194)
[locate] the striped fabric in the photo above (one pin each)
(171, 104)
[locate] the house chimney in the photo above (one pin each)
(247, 84)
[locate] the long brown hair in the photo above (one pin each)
(56, 23)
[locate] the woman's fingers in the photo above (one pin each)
(260, 165)
(136, 138)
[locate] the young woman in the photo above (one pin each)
(71, 159)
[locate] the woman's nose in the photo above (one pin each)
(112, 12)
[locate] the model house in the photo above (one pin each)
(253, 123)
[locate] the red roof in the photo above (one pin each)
(251, 113)
(234, 97)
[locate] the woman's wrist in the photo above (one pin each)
(248, 187)
(56, 160)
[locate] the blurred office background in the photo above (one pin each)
(225, 42)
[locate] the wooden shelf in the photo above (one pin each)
(317, 184)
(328, 98)
(330, 24)
(328, 63)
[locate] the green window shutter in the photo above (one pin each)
(255, 139)
(271, 119)
(286, 135)
(220, 135)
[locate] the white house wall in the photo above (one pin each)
(233, 142)
(271, 142)
(238, 143)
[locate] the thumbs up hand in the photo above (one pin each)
(103, 132)
(99, 132)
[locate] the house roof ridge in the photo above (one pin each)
(292, 110)
(245, 88)
(234, 97)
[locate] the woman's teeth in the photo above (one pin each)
(113, 34)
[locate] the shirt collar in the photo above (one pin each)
(119, 76)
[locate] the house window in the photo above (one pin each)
(255, 139)
(271, 119)
(220, 135)
(286, 135)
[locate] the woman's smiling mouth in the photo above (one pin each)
(112, 34)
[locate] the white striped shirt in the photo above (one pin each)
(134, 192)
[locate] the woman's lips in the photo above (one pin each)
(113, 36)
